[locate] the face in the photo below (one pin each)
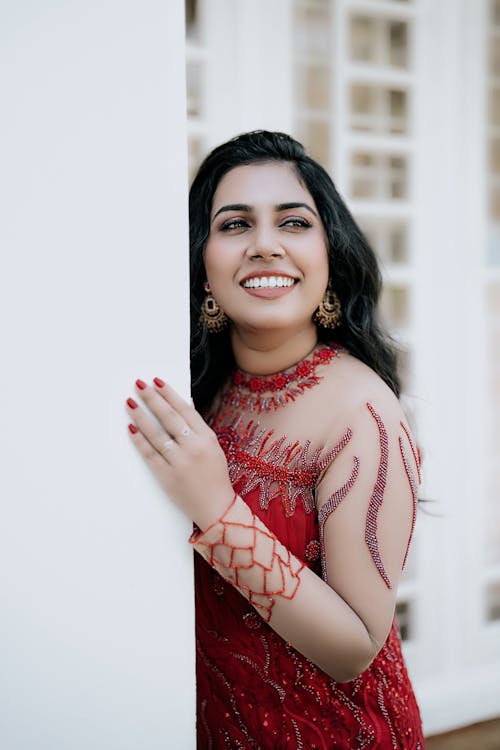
(266, 255)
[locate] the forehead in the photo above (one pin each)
(261, 184)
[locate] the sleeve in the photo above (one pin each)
(366, 502)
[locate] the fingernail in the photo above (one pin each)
(133, 429)
(131, 403)
(140, 384)
(159, 382)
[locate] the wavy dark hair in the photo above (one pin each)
(353, 268)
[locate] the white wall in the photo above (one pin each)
(96, 628)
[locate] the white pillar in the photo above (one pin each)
(249, 86)
(96, 631)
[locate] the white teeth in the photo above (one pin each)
(264, 282)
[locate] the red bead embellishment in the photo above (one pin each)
(377, 498)
(279, 468)
(252, 620)
(412, 481)
(313, 551)
(250, 557)
(247, 391)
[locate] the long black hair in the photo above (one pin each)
(353, 267)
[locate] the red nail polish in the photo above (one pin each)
(131, 403)
(159, 382)
(133, 429)
(140, 384)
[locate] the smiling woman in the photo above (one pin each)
(296, 463)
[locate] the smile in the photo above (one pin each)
(268, 282)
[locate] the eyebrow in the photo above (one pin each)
(280, 207)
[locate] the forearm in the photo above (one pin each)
(303, 609)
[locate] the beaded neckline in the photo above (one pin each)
(260, 393)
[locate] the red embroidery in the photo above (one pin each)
(278, 468)
(377, 498)
(246, 391)
(414, 450)
(313, 551)
(413, 487)
(332, 504)
(245, 553)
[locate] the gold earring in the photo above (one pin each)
(212, 317)
(329, 312)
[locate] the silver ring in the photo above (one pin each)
(168, 445)
(186, 431)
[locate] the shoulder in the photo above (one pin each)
(354, 392)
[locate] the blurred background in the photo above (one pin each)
(400, 101)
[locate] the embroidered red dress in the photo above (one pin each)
(254, 690)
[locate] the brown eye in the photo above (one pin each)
(233, 224)
(296, 222)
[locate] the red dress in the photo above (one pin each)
(254, 690)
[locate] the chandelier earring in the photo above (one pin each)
(329, 311)
(212, 317)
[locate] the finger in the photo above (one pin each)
(158, 438)
(186, 410)
(147, 451)
(172, 422)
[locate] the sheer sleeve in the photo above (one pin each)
(366, 505)
(366, 502)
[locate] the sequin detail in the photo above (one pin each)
(249, 391)
(332, 504)
(278, 468)
(377, 498)
(245, 553)
(413, 488)
(414, 449)
(313, 551)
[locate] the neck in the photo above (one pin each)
(267, 352)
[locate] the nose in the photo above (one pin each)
(266, 244)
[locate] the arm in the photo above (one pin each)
(366, 511)
(365, 502)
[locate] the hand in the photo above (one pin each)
(182, 452)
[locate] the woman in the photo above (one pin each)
(301, 476)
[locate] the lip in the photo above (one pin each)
(270, 292)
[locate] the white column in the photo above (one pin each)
(96, 629)
(249, 67)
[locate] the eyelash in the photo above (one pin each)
(294, 221)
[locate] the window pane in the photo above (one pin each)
(398, 43)
(193, 84)
(495, 57)
(495, 204)
(314, 85)
(363, 175)
(315, 135)
(397, 108)
(493, 602)
(192, 23)
(195, 155)
(364, 32)
(404, 615)
(398, 244)
(405, 364)
(397, 177)
(312, 29)
(395, 306)
(495, 156)
(495, 107)
(495, 12)
(363, 107)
